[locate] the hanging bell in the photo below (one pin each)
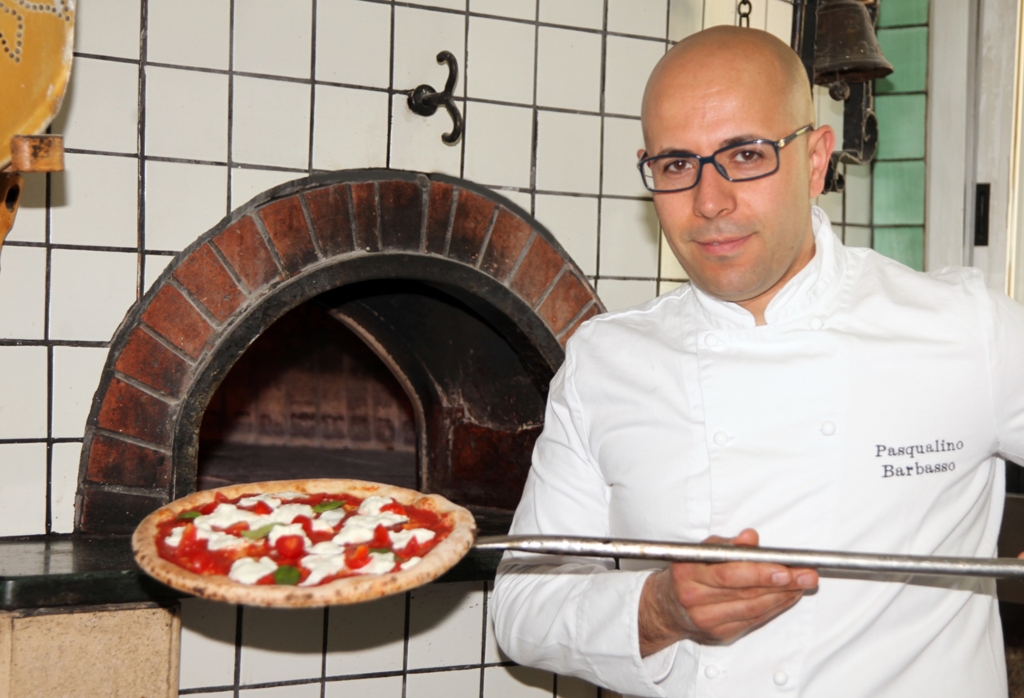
(845, 46)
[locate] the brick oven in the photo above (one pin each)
(462, 297)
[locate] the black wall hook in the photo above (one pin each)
(425, 101)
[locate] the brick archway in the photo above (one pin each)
(286, 246)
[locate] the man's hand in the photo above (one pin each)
(716, 603)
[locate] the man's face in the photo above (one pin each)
(736, 240)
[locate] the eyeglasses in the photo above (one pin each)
(740, 162)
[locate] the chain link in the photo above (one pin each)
(744, 9)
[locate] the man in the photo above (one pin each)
(815, 395)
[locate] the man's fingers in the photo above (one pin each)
(724, 620)
(746, 575)
(730, 628)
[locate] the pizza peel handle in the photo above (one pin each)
(1006, 568)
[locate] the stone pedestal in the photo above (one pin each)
(84, 651)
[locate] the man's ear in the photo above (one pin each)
(820, 144)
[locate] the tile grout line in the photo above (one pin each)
(231, 106)
(600, 146)
(312, 87)
(465, 91)
(327, 620)
(405, 645)
(483, 640)
(48, 505)
(237, 679)
(140, 147)
(391, 95)
(536, 114)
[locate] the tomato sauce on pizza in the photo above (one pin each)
(293, 538)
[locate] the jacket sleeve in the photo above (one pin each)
(1007, 361)
(571, 615)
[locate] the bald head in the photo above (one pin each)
(750, 61)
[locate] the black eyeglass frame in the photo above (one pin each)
(704, 160)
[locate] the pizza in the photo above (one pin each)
(298, 543)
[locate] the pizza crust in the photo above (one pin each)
(347, 590)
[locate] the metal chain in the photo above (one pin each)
(744, 8)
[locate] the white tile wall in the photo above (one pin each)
(552, 108)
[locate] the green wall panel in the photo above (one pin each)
(895, 13)
(898, 193)
(901, 120)
(907, 50)
(905, 245)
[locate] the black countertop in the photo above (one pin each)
(72, 570)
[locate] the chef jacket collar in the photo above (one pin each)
(800, 296)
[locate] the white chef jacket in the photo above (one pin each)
(870, 414)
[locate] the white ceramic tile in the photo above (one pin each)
(22, 292)
(628, 63)
(856, 236)
(780, 19)
(685, 17)
(23, 395)
(416, 140)
(500, 60)
(183, 201)
(274, 39)
(629, 238)
(449, 4)
(492, 652)
(665, 286)
(858, 194)
(305, 690)
(573, 221)
(618, 295)
(366, 638)
(758, 15)
(419, 36)
(622, 139)
(520, 9)
(353, 42)
(832, 205)
(571, 687)
(107, 28)
(97, 202)
(498, 144)
(63, 486)
(640, 17)
(383, 687)
(517, 682)
(568, 152)
(718, 12)
(90, 292)
(828, 112)
(245, 184)
(670, 266)
(219, 694)
(101, 107)
(207, 643)
(444, 684)
(23, 496)
(568, 69)
(76, 375)
(522, 199)
(445, 625)
(270, 123)
(189, 32)
(155, 265)
(30, 223)
(186, 114)
(573, 13)
(281, 645)
(350, 128)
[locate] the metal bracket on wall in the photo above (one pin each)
(425, 100)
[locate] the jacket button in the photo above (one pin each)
(721, 438)
(780, 678)
(712, 340)
(817, 323)
(711, 671)
(828, 428)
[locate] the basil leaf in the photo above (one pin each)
(261, 532)
(189, 515)
(380, 550)
(286, 574)
(326, 506)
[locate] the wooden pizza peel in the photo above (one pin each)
(36, 41)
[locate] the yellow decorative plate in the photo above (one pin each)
(35, 61)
